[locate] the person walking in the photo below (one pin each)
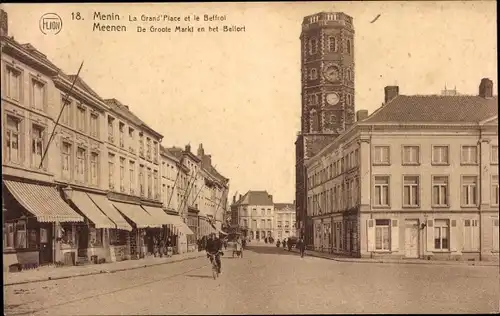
(302, 247)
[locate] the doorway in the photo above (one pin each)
(411, 238)
(83, 241)
(46, 251)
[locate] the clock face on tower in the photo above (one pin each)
(331, 73)
(332, 98)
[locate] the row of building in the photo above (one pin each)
(83, 176)
(418, 178)
(257, 217)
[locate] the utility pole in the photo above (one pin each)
(59, 116)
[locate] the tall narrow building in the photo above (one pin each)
(327, 66)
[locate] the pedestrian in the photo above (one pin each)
(302, 247)
(284, 243)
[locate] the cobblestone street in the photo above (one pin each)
(267, 280)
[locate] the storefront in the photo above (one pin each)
(140, 220)
(33, 216)
(193, 224)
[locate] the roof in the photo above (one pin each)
(435, 109)
(257, 198)
(84, 86)
(282, 206)
(165, 151)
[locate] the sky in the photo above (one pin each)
(239, 93)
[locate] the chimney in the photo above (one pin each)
(201, 152)
(486, 88)
(234, 199)
(187, 148)
(4, 23)
(239, 198)
(390, 93)
(361, 115)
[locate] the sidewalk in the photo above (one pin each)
(52, 273)
(338, 258)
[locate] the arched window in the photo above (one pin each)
(314, 121)
(332, 44)
(348, 44)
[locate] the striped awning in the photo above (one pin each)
(105, 205)
(180, 225)
(89, 209)
(158, 214)
(136, 214)
(43, 201)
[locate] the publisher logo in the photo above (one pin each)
(50, 24)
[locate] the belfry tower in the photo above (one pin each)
(327, 66)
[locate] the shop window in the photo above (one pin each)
(117, 237)
(95, 237)
(67, 235)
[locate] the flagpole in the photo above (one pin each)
(60, 114)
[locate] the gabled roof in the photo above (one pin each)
(256, 198)
(435, 109)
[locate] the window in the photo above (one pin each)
(37, 94)
(279, 224)
(150, 183)
(12, 138)
(94, 125)
(94, 168)
(287, 224)
(382, 234)
(469, 154)
(469, 191)
(381, 191)
(441, 235)
(155, 151)
(471, 235)
(440, 191)
(8, 235)
(65, 116)
(411, 155)
(141, 180)
(111, 171)
(313, 75)
(495, 246)
(131, 136)
(381, 156)
(121, 128)
(313, 46)
(440, 155)
(141, 144)
(410, 191)
(494, 190)
(332, 45)
(66, 160)
(81, 118)
(111, 132)
(148, 148)
(21, 240)
(37, 145)
(156, 184)
(494, 154)
(122, 174)
(348, 47)
(131, 170)
(13, 83)
(80, 164)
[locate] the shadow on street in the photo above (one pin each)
(271, 250)
(200, 276)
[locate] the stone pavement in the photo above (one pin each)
(330, 256)
(55, 273)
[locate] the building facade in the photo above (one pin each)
(327, 66)
(284, 221)
(98, 186)
(418, 178)
(258, 217)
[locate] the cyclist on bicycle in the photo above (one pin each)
(214, 247)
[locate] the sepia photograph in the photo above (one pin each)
(250, 158)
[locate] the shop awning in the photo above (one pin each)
(42, 201)
(105, 205)
(180, 225)
(90, 210)
(136, 214)
(158, 214)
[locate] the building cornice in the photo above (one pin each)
(65, 85)
(10, 47)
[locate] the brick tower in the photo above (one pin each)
(327, 66)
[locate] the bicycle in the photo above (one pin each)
(215, 266)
